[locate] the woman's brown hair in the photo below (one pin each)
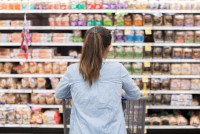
(97, 39)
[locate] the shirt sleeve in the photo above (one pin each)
(132, 91)
(63, 88)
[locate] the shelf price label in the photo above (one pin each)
(147, 64)
(148, 47)
(61, 110)
(148, 31)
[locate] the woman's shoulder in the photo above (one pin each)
(73, 67)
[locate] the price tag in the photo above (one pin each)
(61, 110)
(127, 31)
(148, 47)
(145, 131)
(145, 79)
(147, 64)
(146, 110)
(148, 31)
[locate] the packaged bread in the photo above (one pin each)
(164, 120)
(176, 6)
(26, 115)
(25, 68)
(11, 83)
(155, 121)
(58, 101)
(186, 69)
(138, 20)
(179, 20)
(176, 69)
(165, 84)
(98, 20)
(195, 69)
(119, 52)
(8, 67)
(40, 68)
(3, 98)
(172, 120)
(24, 98)
(50, 99)
(11, 99)
(155, 84)
(51, 117)
(54, 82)
(138, 52)
(90, 20)
(10, 116)
(158, 20)
(158, 36)
(47, 68)
(197, 37)
(42, 98)
(180, 37)
(168, 20)
(187, 53)
(195, 120)
(196, 53)
(157, 52)
(107, 20)
(34, 98)
(2, 115)
(3, 83)
(16, 37)
(166, 99)
(56, 68)
(148, 52)
(195, 84)
(175, 84)
(33, 67)
(139, 36)
(36, 117)
(165, 68)
(181, 121)
(128, 52)
(167, 52)
(63, 67)
(33, 83)
(197, 20)
(18, 116)
(128, 66)
(169, 36)
(177, 53)
(189, 37)
(1, 68)
(185, 84)
(137, 68)
(25, 83)
(82, 21)
(128, 20)
(189, 20)
(147, 20)
(157, 68)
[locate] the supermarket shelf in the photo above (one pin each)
(98, 11)
(30, 105)
(60, 75)
(168, 76)
(53, 91)
(15, 91)
(171, 92)
(113, 44)
(108, 60)
(172, 107)
(172, 127)
(108, 27)
(32, 125)
(30, 75)
(43, 91)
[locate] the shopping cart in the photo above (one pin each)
(134, 112)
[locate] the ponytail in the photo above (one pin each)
(97, 39)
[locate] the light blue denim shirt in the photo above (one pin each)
(97, 109)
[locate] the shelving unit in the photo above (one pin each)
(80, 44)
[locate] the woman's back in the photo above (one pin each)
(95, 87)
(97, 109)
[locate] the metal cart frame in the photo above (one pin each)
(134, 112)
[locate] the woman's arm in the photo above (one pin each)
(132, 91)
(63, 88)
